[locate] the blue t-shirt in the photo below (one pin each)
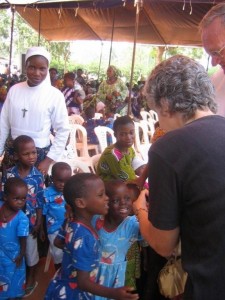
(53, 209)
(35, 183)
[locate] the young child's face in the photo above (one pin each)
(17, 198)
(120, 202)
(27, 154)
(60, 178)
(68, 82)
(96, 199)
(125, 135)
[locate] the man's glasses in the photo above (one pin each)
(217, 54)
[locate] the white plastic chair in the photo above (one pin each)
(154, 115)
(79, 148)
(142, 142)
(75, 119)
(145, 115)
(102, 132)
(149, 127)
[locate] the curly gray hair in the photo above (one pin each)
(184, 83)
(217, 11)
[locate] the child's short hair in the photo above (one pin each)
(135, 189)
(121, 121)
(69, 75)
(59, 166)
(76, 187)
(111, 185)
(12, 183)
(53, 69)
(21, 139)
(90, 112)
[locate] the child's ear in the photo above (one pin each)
(4, 198)
(80, 202)
(15, 156)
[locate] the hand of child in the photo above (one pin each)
(69, 215)
(35, 230)
(18, 260)
(126, 293)
(42, 234)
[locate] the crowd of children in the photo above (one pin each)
(93, 243)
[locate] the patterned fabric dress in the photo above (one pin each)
(35, 183)
(12, 278)
(54, 209)
(114, 247)
(81, 252)
(115, 165)
(117, 104)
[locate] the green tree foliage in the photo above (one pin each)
(4, 33)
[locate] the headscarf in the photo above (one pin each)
(115, 70)
(38, 51)
(43, 52)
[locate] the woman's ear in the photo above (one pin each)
(164, 109)
(80, 202)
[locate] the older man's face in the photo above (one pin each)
(213, 39)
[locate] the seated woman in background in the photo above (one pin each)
(113, 92)
(55, 81)
(73, 93)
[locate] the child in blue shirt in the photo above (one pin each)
(117, 231)
(54, 207)
(90, 125)
(25, 154)
(14, 229)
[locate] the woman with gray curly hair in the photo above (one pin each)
(186, 176)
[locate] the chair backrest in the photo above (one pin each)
(76, 119)
(149, 126)
(154, 115)
(103, 133)
(142, 140)
(145, 115)
(75, 131)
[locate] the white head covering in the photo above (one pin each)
(43, 52)
(38, 51)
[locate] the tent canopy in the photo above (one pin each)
(161, 22)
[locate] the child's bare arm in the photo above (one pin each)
(85, 284)
(18, 259)
(59, 243)
(38, 223)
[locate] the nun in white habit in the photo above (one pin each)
(34, 107)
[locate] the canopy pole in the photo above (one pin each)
(139, 5)
(11, 44)
(100, 60)
(113, 27)
(39, 28)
